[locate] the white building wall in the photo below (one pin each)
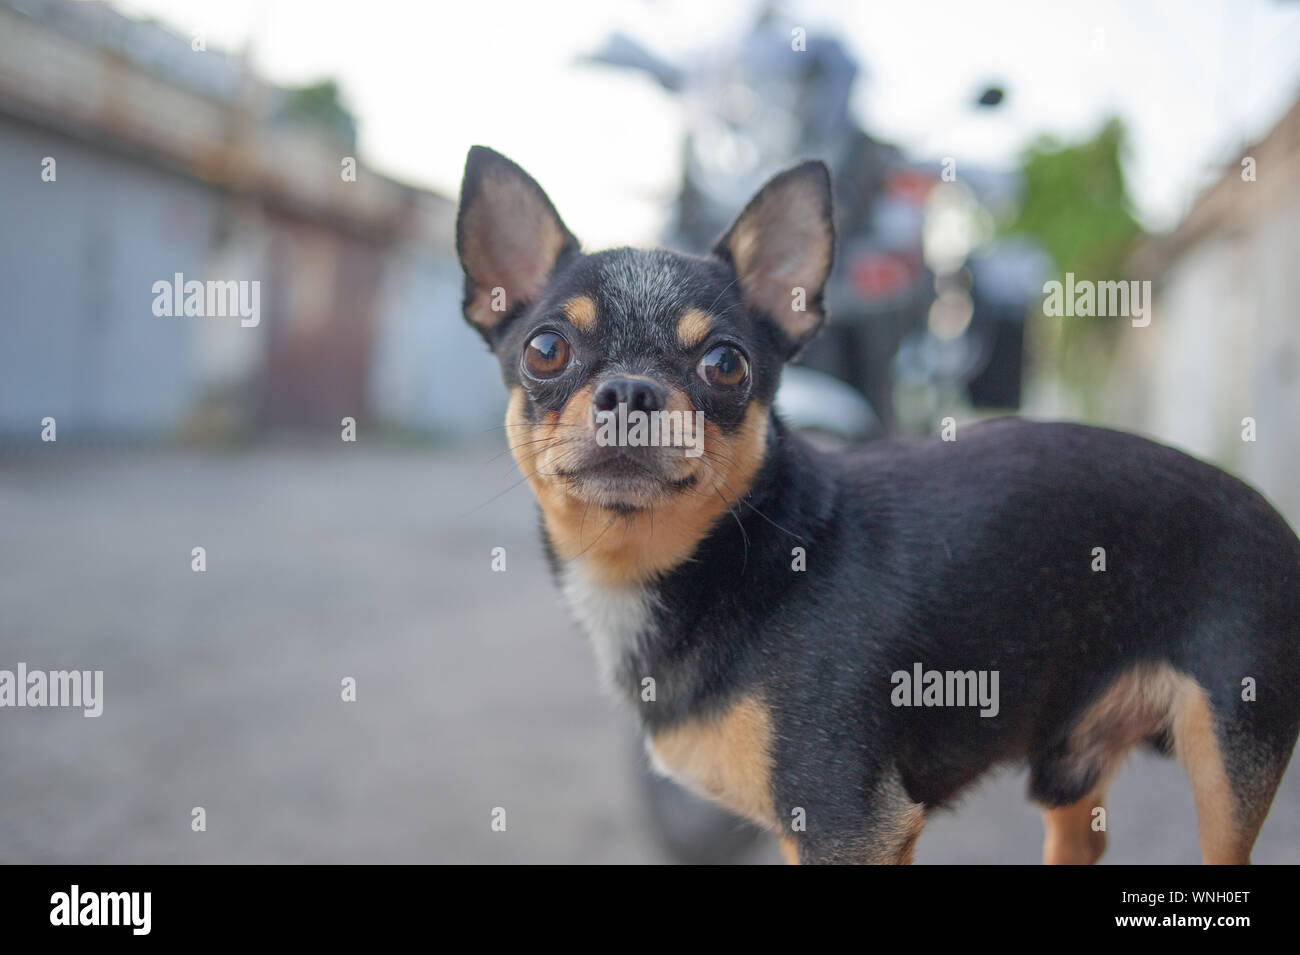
(1227, 346)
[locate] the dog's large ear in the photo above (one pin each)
(508, 236)
(782, 247)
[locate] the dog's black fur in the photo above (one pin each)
(971, 554)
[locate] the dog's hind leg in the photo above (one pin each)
(1071, 835)
(789, 850)
(1069, 776)
(1234, 772)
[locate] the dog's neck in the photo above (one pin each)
(643, 629)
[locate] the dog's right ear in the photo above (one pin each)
(782, 246)
(508, 236)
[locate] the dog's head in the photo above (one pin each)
(640, 380)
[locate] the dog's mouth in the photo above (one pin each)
(624, 483)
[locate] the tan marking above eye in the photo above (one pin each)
(581, 311)
(693, 327)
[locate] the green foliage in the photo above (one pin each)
(1076, 205)
(319, 105)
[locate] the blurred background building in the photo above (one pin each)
(1226, 341)
(168, 159)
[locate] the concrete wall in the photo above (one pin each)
(1224, 344)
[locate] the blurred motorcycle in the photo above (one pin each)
(752, 109)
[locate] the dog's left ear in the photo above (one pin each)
(509, 238)
(782, 247)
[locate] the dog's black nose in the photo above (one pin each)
(639, 394)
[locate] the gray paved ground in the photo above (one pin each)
(223, 689)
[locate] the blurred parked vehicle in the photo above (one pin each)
(778, 95)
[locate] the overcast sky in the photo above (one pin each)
(1195, 81)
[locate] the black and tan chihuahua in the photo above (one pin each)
(835, 644)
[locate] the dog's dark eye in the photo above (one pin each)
(547, 355)
(724, 367)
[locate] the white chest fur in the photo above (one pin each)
(614, 616)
